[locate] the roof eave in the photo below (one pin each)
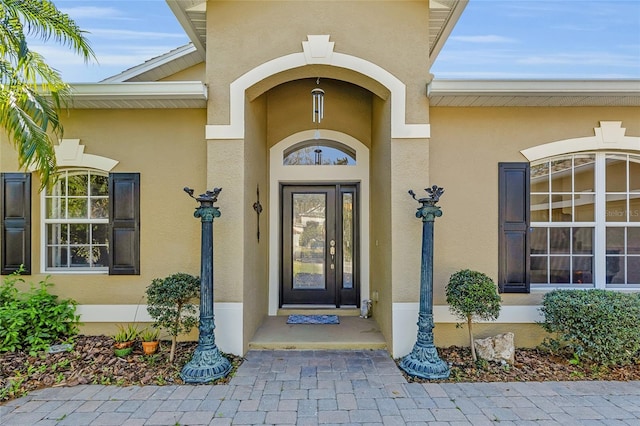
(169, 94)
(534, 92)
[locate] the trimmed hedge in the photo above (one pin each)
(601, 326)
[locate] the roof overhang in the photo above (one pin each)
(495, 93)
(149, 95)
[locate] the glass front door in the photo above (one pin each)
(319, 250)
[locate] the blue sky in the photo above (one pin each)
(514, 39)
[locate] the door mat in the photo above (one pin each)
(313, 319)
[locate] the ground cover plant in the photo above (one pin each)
(33, 320)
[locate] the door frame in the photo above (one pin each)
(338, 295)
(280, 174)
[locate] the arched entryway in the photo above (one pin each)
(329, 198)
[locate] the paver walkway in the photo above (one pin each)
(330, 387)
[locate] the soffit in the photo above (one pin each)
(149, 95)
(533, 93)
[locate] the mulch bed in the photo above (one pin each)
(91, 361)
(531, 365)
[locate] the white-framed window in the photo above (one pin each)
(585, 220)
(76, 222)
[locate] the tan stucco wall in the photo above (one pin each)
(465, 148)
(525, 335)
(256, 255)
(167, 148)
(347, 109)
(389, 34)
(194, 73)
(380, 222)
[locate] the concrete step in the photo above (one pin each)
(352, 333)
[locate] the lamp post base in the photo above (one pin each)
(425, 363)
(205, 366)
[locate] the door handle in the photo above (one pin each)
(332, 252)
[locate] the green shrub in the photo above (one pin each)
(169, 304)
(472, 295)
(36, 319)
(601, 326)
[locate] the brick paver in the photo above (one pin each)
(330, 387)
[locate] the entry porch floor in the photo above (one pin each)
(353, 332)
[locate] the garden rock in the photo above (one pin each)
(497, 348)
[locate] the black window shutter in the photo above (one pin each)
(16, 222)
(513, 217)
(124, 223)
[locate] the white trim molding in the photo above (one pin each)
(405, 317)
(317, 50)
(309, 174)
(228, 320)
(70, 153)
(610, 135)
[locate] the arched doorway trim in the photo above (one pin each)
(317, 50)
(280, 173)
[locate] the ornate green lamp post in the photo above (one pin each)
(207, 363)
(423, 361)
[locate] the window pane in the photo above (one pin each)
(101, 258)
(560, 269)
(583, 240)
(634, 207)
(540, 208)
(79, 233)
(561, 175)
(77, 208)
(57, 256)
(540, 177)
(561, 209)
(559, 240)
(59, 189)
(584, 173)
(56, 208)
(633, 270)
(539, 240)
(582, 270)
(633, 241)
(615, 240)
(99, 233)
(99, 208)
(616, 208)
(80, 256)
(616, 174)
(585, 207)
(347, 240)
(57, 233)
(319, 152)
(77, 185)
(309, 224)
(634, 173)
(615, 269)
(99, 185)
(539, 270)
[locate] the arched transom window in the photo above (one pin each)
(585, 220)
(320, 152)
